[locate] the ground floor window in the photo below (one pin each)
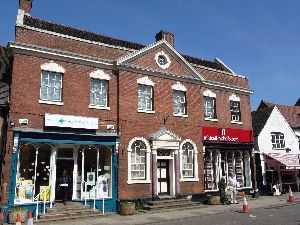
(219, 163)
(40, 166)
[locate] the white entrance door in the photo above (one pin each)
(163, 178)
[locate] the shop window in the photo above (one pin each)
(97, 172)
(277, 139)
(138, 161)
(33, 172)
(188, 161)
(179, 102)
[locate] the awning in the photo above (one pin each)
(290, 161)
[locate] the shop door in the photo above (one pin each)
(163, 177)
(61, 165)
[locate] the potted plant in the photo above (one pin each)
(12, 217)
(127, 208)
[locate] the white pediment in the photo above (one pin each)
(179, 87)
(164, 134)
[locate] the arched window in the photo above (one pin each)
(189, 163)
(138, 161)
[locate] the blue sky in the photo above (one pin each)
(259, 39)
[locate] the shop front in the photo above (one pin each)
(39, 160)
(281, 169)
(227, 150)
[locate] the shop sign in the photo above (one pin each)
(226, 135)
(56, 120)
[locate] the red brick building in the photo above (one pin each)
(141, 121)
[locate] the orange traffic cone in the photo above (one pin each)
(30, 219)
(245, 206)
(291, 196)
(18, 221)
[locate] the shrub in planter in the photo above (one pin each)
(12, 217)
(127, 208)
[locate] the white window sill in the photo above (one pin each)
(139, 182)
(211, 119)
(99, 107)
(180, 115)
(146, 111)
(50, 102)
(189, 179)
(279, 149)
(237, 122)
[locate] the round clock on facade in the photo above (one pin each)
(162, 60)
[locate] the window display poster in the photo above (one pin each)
(90, 178)
(42, 193)
(102, 189)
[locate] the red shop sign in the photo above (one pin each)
(216, 134)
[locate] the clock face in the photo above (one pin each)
(162, 60)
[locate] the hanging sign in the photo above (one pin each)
(216, 134)
(57, 120)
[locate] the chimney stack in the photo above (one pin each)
(164, 35)
(25, 5)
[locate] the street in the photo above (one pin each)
(277, 215)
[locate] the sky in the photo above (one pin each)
(259, 39)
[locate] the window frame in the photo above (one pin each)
(233, 112)
(145, 98)
(51, 67)
(184, 104)
(214, 117)
(277, 140)
(195, 176)
(101, 76)
(147, 179)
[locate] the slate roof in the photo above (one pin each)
(259, 119)
(290, 113)
(91, 36)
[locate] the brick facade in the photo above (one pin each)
(78, 59)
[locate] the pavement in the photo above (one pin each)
(204, 210)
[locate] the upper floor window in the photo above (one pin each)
(278, 140)
(179, 99)
(179, 102)
(145, 97)
(145, 94)
(98, 93)
(210, 107)
(235, 111)
(51, 83)
(99, 90)
(51, 86)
